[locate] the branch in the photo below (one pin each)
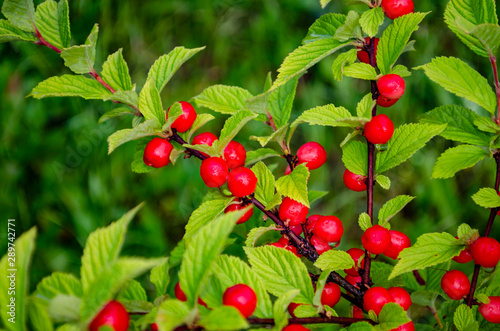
(493, 61)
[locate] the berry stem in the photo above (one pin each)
(45, 42)
(493, 61)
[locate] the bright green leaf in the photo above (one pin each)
(20, 13)
(364, 221)
(280, 102)
(365, 106)
(489, 36)
(150, 103)
(171, 314)
(53, 27)
(324, 27)
(160, 278)
(148, 128)
(350, 29)
(334, 260)
(232, 126)
(80, 59)
(224, 318)
(59, 283)
(392, 207)
(355, 157)
(361, 71)
(383, 181)
(264, 192)
(205, 214)
(8, 32)
(259, 155)
(115, 113)
(464, 319)
(457, 158)
(115, 72)
(371, 20)
(487, 198)
(280, 308)
(70, 86)
(223, 99)
(391, 317)
(294, 185)
(256, 233)
(342, 60)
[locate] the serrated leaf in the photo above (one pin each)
(459, 78)
(160, 278)
(395, 38)
(64, 308)
(264, 192)
(126, 97)
(486, 124)
(59, 283)
(294, 185)
(223, 318)
(364, 221)
(361, 326)
(232, 126)
(80, 59)
(460, 124)
(70, 86)
(173, 112)
(277, 136)
(361, 71)
(392, 207)
(205, 214)
(391, 316)
(334, 260)
(223, 99)
(380, 275)
(171, 314)
(274, 202)
(365, 106)
(489, 36)
(138, 165)
(371, 20)
(21, 14)
(305, 311)
(38, 315)
(350, 29)
(52, 22)
(281, 271)
(200, 121)
(256, 233)
(150, 103)
(400, 70)
(342, 60)
(231, 271)
(463, 229)
(148, 128)
(407, 140)
(355, 157)
(280, 102)
(457, 158)
(487, 198)
(280, 308)
(315, 195)
(133, 291)
(464, 319)
(383, 181)
(8, 32)
(429, 250)
(115, 113)
(259, 155)
(166, 65)
(324, 27)
(115, 72)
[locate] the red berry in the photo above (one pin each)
(186, 119)
(113, 315)
(354, 182)
(379, 129)
(297, 229)
(329, 228)
(237, 206)
(179, 293)
(405, 327)
(376, 239)
(214, 171)
(154, 327)
(288, 170)
(312, 154)
(391, 86)
(205, 138)
(311, 222)
(292, 249)
(396, 8)
(455, 284)
(276, 244)
(235, 155)
(401, 297)
(353, 280)
(363, 55)
(291, 308)
(385, 102)
(464, 256)
(157, 153)
(283, 241)
(399, 241)
(357, 312)
(242, 297)
(330, 295)
(355, 254)
(241, 182)
(320, 245)
(376, 298)
(295, 327)
(486, 252)
(491, 311)
(293, 211)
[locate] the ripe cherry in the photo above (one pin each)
(157, 153)
(399, 241)
(242, 297)
(113, 315)
(311, 222)
(379, 129)
(363, 55)
(376, 298)
(355, 254)
(186, 119)
(238, 206)
(319, 244)
(329, 228)
(293, 211)
(354, 182)
(214, 171)
(297, 229)
(288, 170)
(312, 154)
(376, 239)
(455, 284)
(235, 155)
(396, 8)
(181, 296)
(353, 280)
(401, 297)
(205, 138)
(491, 311)
(154, 327)
(241, 182)
(291, 308)
(330, 295)
(295, 327)
(405, 327)
(464, 256)
(385, 102)
(486, 252)
(357, 312)
(391, 86)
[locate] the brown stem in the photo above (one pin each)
(178, 139)
(493, 61)
(419, 278)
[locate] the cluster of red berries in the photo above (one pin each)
(329, 297)
(114, 315)
(485, 251)
(379, 240)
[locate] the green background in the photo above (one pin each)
(56, 174)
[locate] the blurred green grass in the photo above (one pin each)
(54, 166)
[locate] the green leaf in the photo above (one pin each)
(407, 139)
(392, 207)
(256, 233)
(355, 157)
(16, 271)
(259, 155)
(459, 78)
(264, 192)
(232, 126)
(380, 275)
(63, 21)
(59, 283)
(281, 271)
(103, 248)
(364, 221)
(201, 252)
(324, 27)
(464, 319)
(276, 201)
(463, 229)
(145, 129)
(383, 181)
(205, 214)
(342, 60)
(391, 316)
(324, 3)
(294, 185)
(489, 36)
(115, 113)
(350, 29)
(8, 32)
(231, 271)
(429, 250)
(460, 124)
(320, 286)
(80, 59)
(365, 106)
(150, 103)
(20, 13)
(138, 165)
(38, 315)
(160, 278)
(166, 65)
(280, 308)
(173, 113)
(126, 97)
(133, 291)
(200, 121)
(280, 102)
(52, 21)
(277, 136)
(361, 71)
(400, 70)
(487, 198)
(360, 326)
(486, 124)
(395, 38)
(334, 260)
(305, 311)
(457, 158)
(224, 318)
(371, 20)
(171, 314)
(462, 16)
(315, 195)
(64, 308)
(223, 99)
(70, 86)
(115, 72)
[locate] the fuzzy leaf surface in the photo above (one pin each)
(371, 20)
(70, 86)
(354, 156)
(334, 260)
(487, 198)
(342, 60)
(80, 59)
(20, 13)
(294, 185)
(205, 214)
(264, 192)
(8, 32)
(224, 318)
(324, 27)
(150, 103)
(115, 72)
(232, 126)
(259, 155)
(223, 99)
(457, 158)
